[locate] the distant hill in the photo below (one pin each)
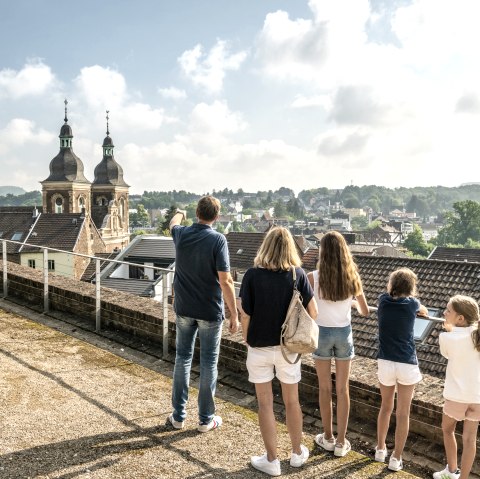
(11, 190)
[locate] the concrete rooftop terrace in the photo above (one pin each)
(77, 405)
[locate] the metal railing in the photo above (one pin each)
(166, 276)
(373, 309)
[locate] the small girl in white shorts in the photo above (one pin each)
(397, 360)
(461, 346)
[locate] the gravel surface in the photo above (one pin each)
(70, 409)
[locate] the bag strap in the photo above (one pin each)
(294, 274)
(282, 348)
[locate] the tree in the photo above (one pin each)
(250, 229)
(237, 226)
(461, 225)
(359, 222)
(279, 209)
(416, 244)
(165, 226)
(351, 202)
(418, 205)
(141, 217)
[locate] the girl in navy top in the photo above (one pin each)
(397, 360)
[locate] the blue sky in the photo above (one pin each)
(252, 94)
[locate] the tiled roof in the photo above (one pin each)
(310, 259)
(90, 271)
(139, 287)
(151, 247)
(243, 247)
(56, 231)
(15, 219)
(387, 250)
(456, 254)
(438, 281)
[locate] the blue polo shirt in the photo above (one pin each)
(200, 253)
(396, 322)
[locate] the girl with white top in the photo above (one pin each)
(337, 287)
(461, 346)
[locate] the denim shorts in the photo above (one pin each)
(335, 343)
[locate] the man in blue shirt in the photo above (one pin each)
(202, 282)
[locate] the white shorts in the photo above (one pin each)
(390, 373)
(264, 364)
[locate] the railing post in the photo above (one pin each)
(4, 261)
(46, 305)
(98, 319)
(165, 312)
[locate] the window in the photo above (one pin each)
(31, 263)
(59, 205)
(423, 326)
(51, 265)
(17, 236)
(81, 202)
(1, 234)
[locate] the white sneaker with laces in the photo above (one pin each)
(395, 464)
(446, 474)
(380, 454)
(327, 444)
(342, 450)
(263, 464)
(175, 424)
(213, 424)
(298, 460)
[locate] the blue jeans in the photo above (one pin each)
(210, 333)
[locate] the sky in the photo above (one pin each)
(251, 94)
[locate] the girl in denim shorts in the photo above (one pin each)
(337, 286)
(397, 360)
(461, 346)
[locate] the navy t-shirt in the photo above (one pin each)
(396, 322)
(200, 253)
(266, 295)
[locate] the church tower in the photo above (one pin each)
(66, 190)
(110, 198)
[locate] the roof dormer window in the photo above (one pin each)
(423, 327)
(17, 236)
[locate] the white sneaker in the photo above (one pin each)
(298, 460)
(175, 424)
(342, 450)
(213, 424)
(327, 444)
(395, 464)
(263, 464)
(380, 454)
(446, 474)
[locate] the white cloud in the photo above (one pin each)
(104, 88)
(35, 78)
(172, 93)
(216, 118)
(323, 101)
(20, 132)
(208, 70)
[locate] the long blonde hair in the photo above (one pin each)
(278, 251)
(468, 308)
(338, 276)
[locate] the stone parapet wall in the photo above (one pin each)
(143, 318)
